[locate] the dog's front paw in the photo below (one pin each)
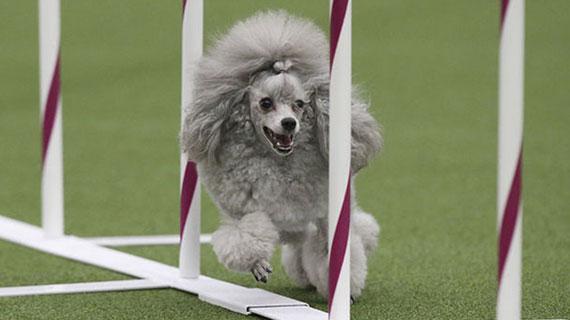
(261, 270)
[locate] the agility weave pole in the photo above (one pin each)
(192, 46)
(509, 192)
(50, 113)
(339, 158)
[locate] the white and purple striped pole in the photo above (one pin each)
(339, 159)
(50, 117)
(192, 43)
(509, 193)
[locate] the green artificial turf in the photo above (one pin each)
(430, 69)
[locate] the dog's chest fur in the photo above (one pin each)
(291, 190)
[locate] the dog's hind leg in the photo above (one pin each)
(363, 239)
(315, 263)
(365, 226)
(358, 266)
(247, 244)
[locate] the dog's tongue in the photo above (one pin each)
(284, 140)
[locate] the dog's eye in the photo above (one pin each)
(300, 104)
(266, 103)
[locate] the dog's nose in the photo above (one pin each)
(289, 124)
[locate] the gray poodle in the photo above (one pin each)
(258, 129)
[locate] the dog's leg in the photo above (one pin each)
(315, 263)
(315, 257)
(358, 267)
(292, 259)
(246, 245)
(367, 228)
(363, 239)
(261, 271)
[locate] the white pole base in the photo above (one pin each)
(227, 295)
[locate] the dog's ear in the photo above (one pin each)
(204, 124)
(366, 138)
(320, 103)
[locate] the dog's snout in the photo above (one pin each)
(289, 124)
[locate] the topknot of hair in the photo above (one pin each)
(272, 41)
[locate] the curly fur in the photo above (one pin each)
(264, 198)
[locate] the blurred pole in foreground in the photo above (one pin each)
(509, 192)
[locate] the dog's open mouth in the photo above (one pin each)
(282, 143)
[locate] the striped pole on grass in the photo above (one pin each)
(339, 159)
(192, 34)
(50, 117)
(509, 194)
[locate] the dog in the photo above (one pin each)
(257, 128)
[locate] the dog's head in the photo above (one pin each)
(263, 83)
(277, 101)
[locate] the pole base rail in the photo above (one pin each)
(153, 274)
(154, 240)
(82, 287)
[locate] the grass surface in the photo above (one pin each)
(430, 68)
